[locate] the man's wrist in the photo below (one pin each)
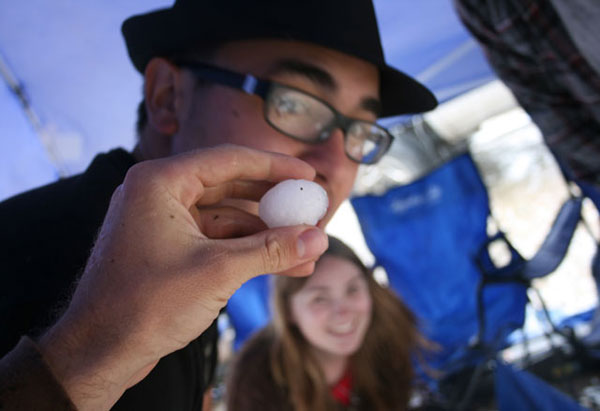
(27, 381)
(91, 372)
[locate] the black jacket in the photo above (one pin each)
(45, 238)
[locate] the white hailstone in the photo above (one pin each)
(293, 202)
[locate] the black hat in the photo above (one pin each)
(348, 26)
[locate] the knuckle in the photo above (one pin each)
(134, 174)
(276, 254)
(137, 176)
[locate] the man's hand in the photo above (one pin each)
(156, 278)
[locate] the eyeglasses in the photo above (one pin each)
(302, 116)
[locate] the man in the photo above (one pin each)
(304, 79)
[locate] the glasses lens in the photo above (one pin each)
(366, 142)
(297, 114)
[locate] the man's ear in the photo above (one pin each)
(160, 90)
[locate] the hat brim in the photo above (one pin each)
(399, 93)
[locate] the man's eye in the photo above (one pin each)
(362, 131)
(289, 106)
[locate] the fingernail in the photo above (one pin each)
(312, 243)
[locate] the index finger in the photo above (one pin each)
(187, 175)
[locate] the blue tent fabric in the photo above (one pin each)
(248, 308)
(445, 215)
(427, 40)
(518, 390)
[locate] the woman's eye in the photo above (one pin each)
(319, 300)
(355, 288)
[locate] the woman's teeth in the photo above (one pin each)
(342, 328)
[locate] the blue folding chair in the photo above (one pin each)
(518, 390)
(248, 308)
(431, 237)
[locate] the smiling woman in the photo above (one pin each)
(336, 340)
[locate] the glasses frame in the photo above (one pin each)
(260, 87)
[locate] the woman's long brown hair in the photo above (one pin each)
(381, 369)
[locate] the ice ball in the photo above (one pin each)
(293, 202)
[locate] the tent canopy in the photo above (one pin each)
(66, 62)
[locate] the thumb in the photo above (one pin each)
(278, 250)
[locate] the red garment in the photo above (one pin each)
(343, 389)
